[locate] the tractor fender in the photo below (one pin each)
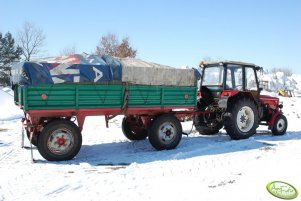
(275, 114)
(227, 102)
(237, 95)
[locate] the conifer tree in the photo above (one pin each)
(9, 53)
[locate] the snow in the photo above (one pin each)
(280, 81)
(8, 109)
(109, 167)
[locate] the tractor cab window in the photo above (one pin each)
(250, 79)
(213, 76)
(234, 77)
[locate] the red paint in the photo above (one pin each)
(272, 120)
(229, 93)
(105, 111)
(35, 116)
(272, 102)
(43, 96)
(60, 140)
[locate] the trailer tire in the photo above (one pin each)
(59, 140)
(280, 125)
(34, 140)
(243, 121)
(133, 133)
(165, 132)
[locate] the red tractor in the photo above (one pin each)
(230, 96)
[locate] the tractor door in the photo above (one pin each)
(234, 77)
(251, 82)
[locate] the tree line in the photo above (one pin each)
(30, 40)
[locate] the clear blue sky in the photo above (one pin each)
(172, 32)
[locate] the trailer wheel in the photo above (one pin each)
(280, 125)
(243, 121)
(59, 140)
(165, 132)
(133, 130)
(34, 139)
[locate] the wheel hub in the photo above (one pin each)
(60, 141)
(245, 119)
(280, 125)
(167, 132)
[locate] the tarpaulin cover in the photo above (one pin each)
(74, 68)
(84, 68)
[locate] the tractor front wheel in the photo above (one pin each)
(280, 125)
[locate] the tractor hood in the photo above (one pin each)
(270, 100)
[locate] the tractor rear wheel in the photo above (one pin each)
(243, 121)
(206, 124)
(206, 129)
(280, 125)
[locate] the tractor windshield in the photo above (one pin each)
(213, 76)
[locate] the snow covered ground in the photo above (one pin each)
(8, 109)
(109, 167)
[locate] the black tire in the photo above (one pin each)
(204, 124)
(134, 132)
(165, 132)
(205, 129)
(243, 112)
(280, 125)
(34, 140)
(59, 140)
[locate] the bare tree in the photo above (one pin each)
(31, 40)
(109, 44)
(68, 51)
(125, 50)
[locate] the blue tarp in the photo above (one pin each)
(75, 70)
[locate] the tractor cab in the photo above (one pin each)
(229, 77)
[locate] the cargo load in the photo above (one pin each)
(85, 68)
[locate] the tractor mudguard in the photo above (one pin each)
(271, 122)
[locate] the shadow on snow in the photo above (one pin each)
(125, 153)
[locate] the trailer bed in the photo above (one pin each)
(97, 96)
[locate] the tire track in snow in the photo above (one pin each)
(59, 190)
(6, 155)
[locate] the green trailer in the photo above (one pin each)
(149, 111)
(57, 94)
